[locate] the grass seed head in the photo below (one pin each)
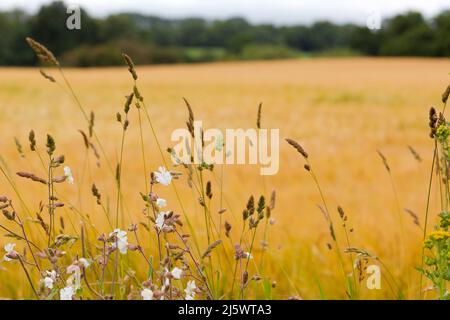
(273, 197)
(85, 139)
(415, 154)
(446, 94)
(190, 122)
(210, 248)
(227, 228)
(51, 146)
(128, 102)
(137, 94)
(19, 147)
(432, 122)
(32, 140)
(383, 158)
(298, 147)
(251, 205)
(130, 64)
(42, 52)
(91, 123)
(341, 212)
(47, 76)
(209, 190)
(413, 216)
(258, 118)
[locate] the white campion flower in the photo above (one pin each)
(85, 262)
(163, 176)
(75, 278)
(161, 203)
(66, 293)
(122, 240)
(9, 248)
(190, 290)
(49, 279)
(147, 294)
(176, 273)
(48, 282)
(52, 274)
(160, 220)
(68, 174)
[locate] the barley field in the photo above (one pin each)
(342, 111)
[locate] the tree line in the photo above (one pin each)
(152, 40)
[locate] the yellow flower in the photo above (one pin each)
(439, 234)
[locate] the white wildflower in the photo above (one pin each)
(190, 290)
(52, 274)
(66, 293)
(68, 174)
(48, 282)
(147, 294)
(75, 278)
(49, 279)
(248, 255)
(160, 220)
(85, 262)
(9, 248)
(161, 203)
(163, 176)
(176, 273)
(122, 240)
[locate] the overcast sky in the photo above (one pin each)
(257, 11)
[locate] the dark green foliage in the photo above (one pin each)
(153, 40)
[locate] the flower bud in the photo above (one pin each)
(133, 247)
(13, 255)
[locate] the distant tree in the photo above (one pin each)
(365, 41)
(267, 34)
(298, 37)
(320, 36)
(154, 39)
(49, 27)
(407, 35)
(118, 26)
(232, 34)
(13, 30)
(192, 32)
(441, 23)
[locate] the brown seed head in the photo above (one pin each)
(46, 76)
(258, 119)
(227, 228)
(42, 52)
(32, 140)
(383, 158)
(208, 190)
(446, 94)
(130, 64)
(298, 147)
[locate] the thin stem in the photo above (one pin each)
(426, 212)
(199, 270)
(338, 250)
(19, 222)
(28, 277)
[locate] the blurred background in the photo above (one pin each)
(199, 31)
(345, 79)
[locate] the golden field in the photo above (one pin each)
(341, 110)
